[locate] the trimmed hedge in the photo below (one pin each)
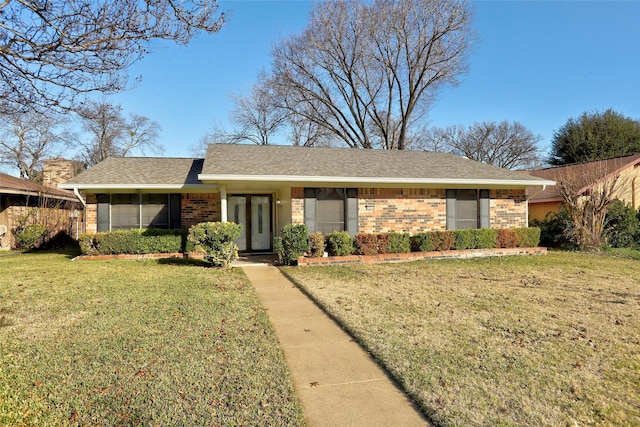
(528, 237)
(136, 241)
(339, 243)
(292, 243)
(316, 244)
(399, 243)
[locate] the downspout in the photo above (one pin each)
(223, 203)
(84, 212)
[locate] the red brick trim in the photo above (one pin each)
(416, 256)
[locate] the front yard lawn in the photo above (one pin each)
(546, 340)
(136, 343)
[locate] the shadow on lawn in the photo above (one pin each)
(184, 261)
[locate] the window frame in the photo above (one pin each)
(171, 211)
(483, 205)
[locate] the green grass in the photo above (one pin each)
(136, 343)
(548, 340)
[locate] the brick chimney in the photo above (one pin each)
(57, 171)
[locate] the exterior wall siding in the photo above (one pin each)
(413, 210)
(410, 210)
(200, 207)
(91, 214)
(508, 209)
(297, 205)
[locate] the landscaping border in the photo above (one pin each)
(418, 256)
(189, 255)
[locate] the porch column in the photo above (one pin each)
(223, 203)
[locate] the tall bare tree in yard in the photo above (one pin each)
(504, 144)
(587, 194)
(28, 139)
(52, 51)
(109, 133)
(366, 71)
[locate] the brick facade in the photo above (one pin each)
(409, 210)
(200, 207)
(91, 214)
(297, 205)
(508, 209)
(414, 210)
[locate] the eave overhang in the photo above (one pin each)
(439, 182)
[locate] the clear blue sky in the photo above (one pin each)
(538, 63)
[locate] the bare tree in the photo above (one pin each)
(28, 139)
(362, 66)
(52, 51)
(587, 192)
(255, 117)
(111, 134)
(506, 145)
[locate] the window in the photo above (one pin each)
(126, 211)
(467, 209)
(331, 209)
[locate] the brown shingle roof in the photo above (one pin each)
(590, 173)
(229, 162)
(12, 185)
(253, 160)
(140, 171)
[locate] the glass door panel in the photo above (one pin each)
(260, 223)
(237, 212)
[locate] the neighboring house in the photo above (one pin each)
(588, 176)
(266, 187)
(23, 201)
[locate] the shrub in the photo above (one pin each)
(528, 237)
(507, 238)
(621, 225)
(217, 241)
(422, 242)
(555, 230)
(136, 241)
(442, 240)
(316, 244)
(399, 243)
(486, 238)
(464, 239)
(30, 236)
(366, 244)
(294, 242)
(339, 243)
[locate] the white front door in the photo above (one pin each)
(254, 214)
(237, 212)
(260, 223)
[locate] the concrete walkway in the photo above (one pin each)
(337, 382)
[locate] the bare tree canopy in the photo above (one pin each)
(52, 51)
(28, 139)
(368, 71)
(255, 117)
(504, 144)
(111, 134)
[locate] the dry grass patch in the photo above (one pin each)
(136, 343)
(552, 340)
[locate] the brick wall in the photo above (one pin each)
(414, 210)
(57, 171)
(410, 210)
(297, 205)
(508, 209)
(91, 214)
(200, 207)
